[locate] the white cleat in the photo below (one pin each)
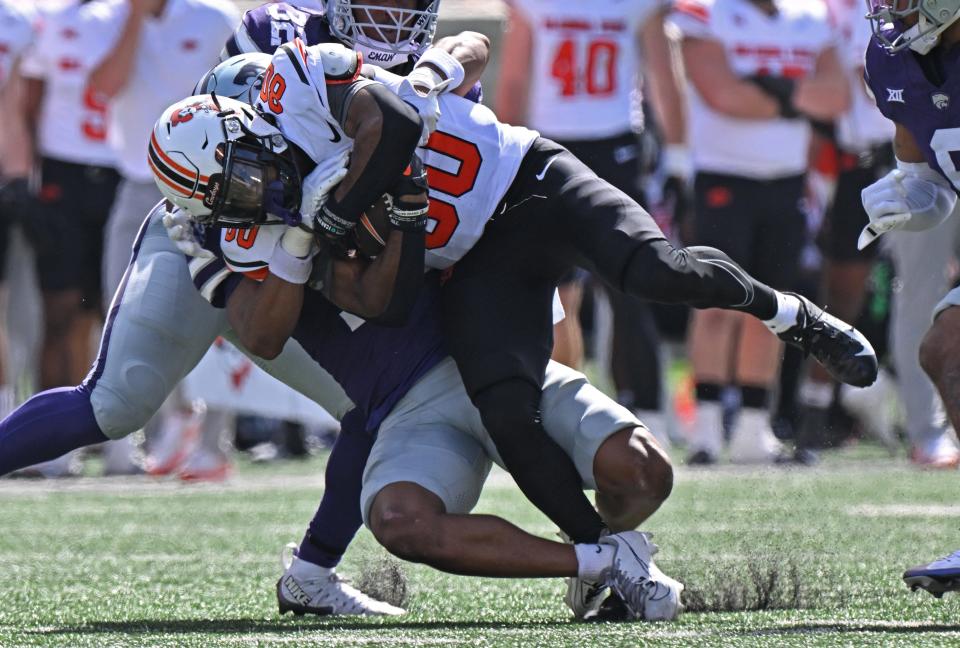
(583, 597)
(648, 593)
(305, 588)
(937, 452)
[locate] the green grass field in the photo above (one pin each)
(137, 562)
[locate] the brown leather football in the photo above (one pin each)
(370, 234)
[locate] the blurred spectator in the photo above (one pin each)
(573, 73)
(758, 70)
(157, 52)
(16, 33)
(77, 186)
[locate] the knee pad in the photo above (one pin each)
(123, 410)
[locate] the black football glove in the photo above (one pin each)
(780, 89)
(410, 206)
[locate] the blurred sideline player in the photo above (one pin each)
(159, 327)
(576, 79)
(861, 152)
(16, 34)
(77, 186)
(155, 51)
(911, 69)
(758, 69)
(431, 455)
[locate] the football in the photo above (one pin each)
(372, 231)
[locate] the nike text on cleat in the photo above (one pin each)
(305, 588)
(937, 577)
(583, 597)
(840, 348)
(647, 592)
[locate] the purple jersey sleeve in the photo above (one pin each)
(878, 69)
(269, 26)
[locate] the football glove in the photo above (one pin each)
(318, 204)
(409, 203)
(913, 197)
(180, 228)
(426, 102)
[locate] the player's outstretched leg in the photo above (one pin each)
(47, 426)
(941, 575)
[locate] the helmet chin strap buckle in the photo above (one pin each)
(273, 205)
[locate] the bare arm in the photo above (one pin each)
(265, 313)
(113, 72)
(905, 147)
(710, 73)
(663, 79)
(17, 143)
(513, 93)
(826, 93)
(472, 49)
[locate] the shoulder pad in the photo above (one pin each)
(340, 64)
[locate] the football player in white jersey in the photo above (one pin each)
(759, 71)
(16, 33)
(513, 211)
(572, 59)
(431, 455)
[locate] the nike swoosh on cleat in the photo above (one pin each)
(543, 174)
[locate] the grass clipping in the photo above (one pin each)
(760, 584)
(384, 579)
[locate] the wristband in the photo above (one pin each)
(676, 161)
(442, 60)
(408, 217)
(332, 224)
(292, 269)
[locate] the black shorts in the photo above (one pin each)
(497, 300)
(6, 222)
(758, 223)
(73, 205)
(616, 160)
(846, 217)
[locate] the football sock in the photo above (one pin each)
(755, 397)
(301, 568)
(543, 471)
(338, 517)
(788, 310)
(593, 560)
(702, 277)
(47, 426)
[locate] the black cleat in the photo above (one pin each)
(701, 458)
(842, 350)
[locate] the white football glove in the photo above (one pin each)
(180, 230)
(885, 202)
(320, 182)
(426, 101)
(912, 197)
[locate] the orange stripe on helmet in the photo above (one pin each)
(173, 165)
(187, 193)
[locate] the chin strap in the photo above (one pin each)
(273, 205)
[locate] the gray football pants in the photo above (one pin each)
(921, 260)
(157, 330)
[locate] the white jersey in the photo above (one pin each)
(863, 126)
(585, 63)
(16, 33)
(786, 44)
(174, 51)
(70, 43)
(471, 159)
